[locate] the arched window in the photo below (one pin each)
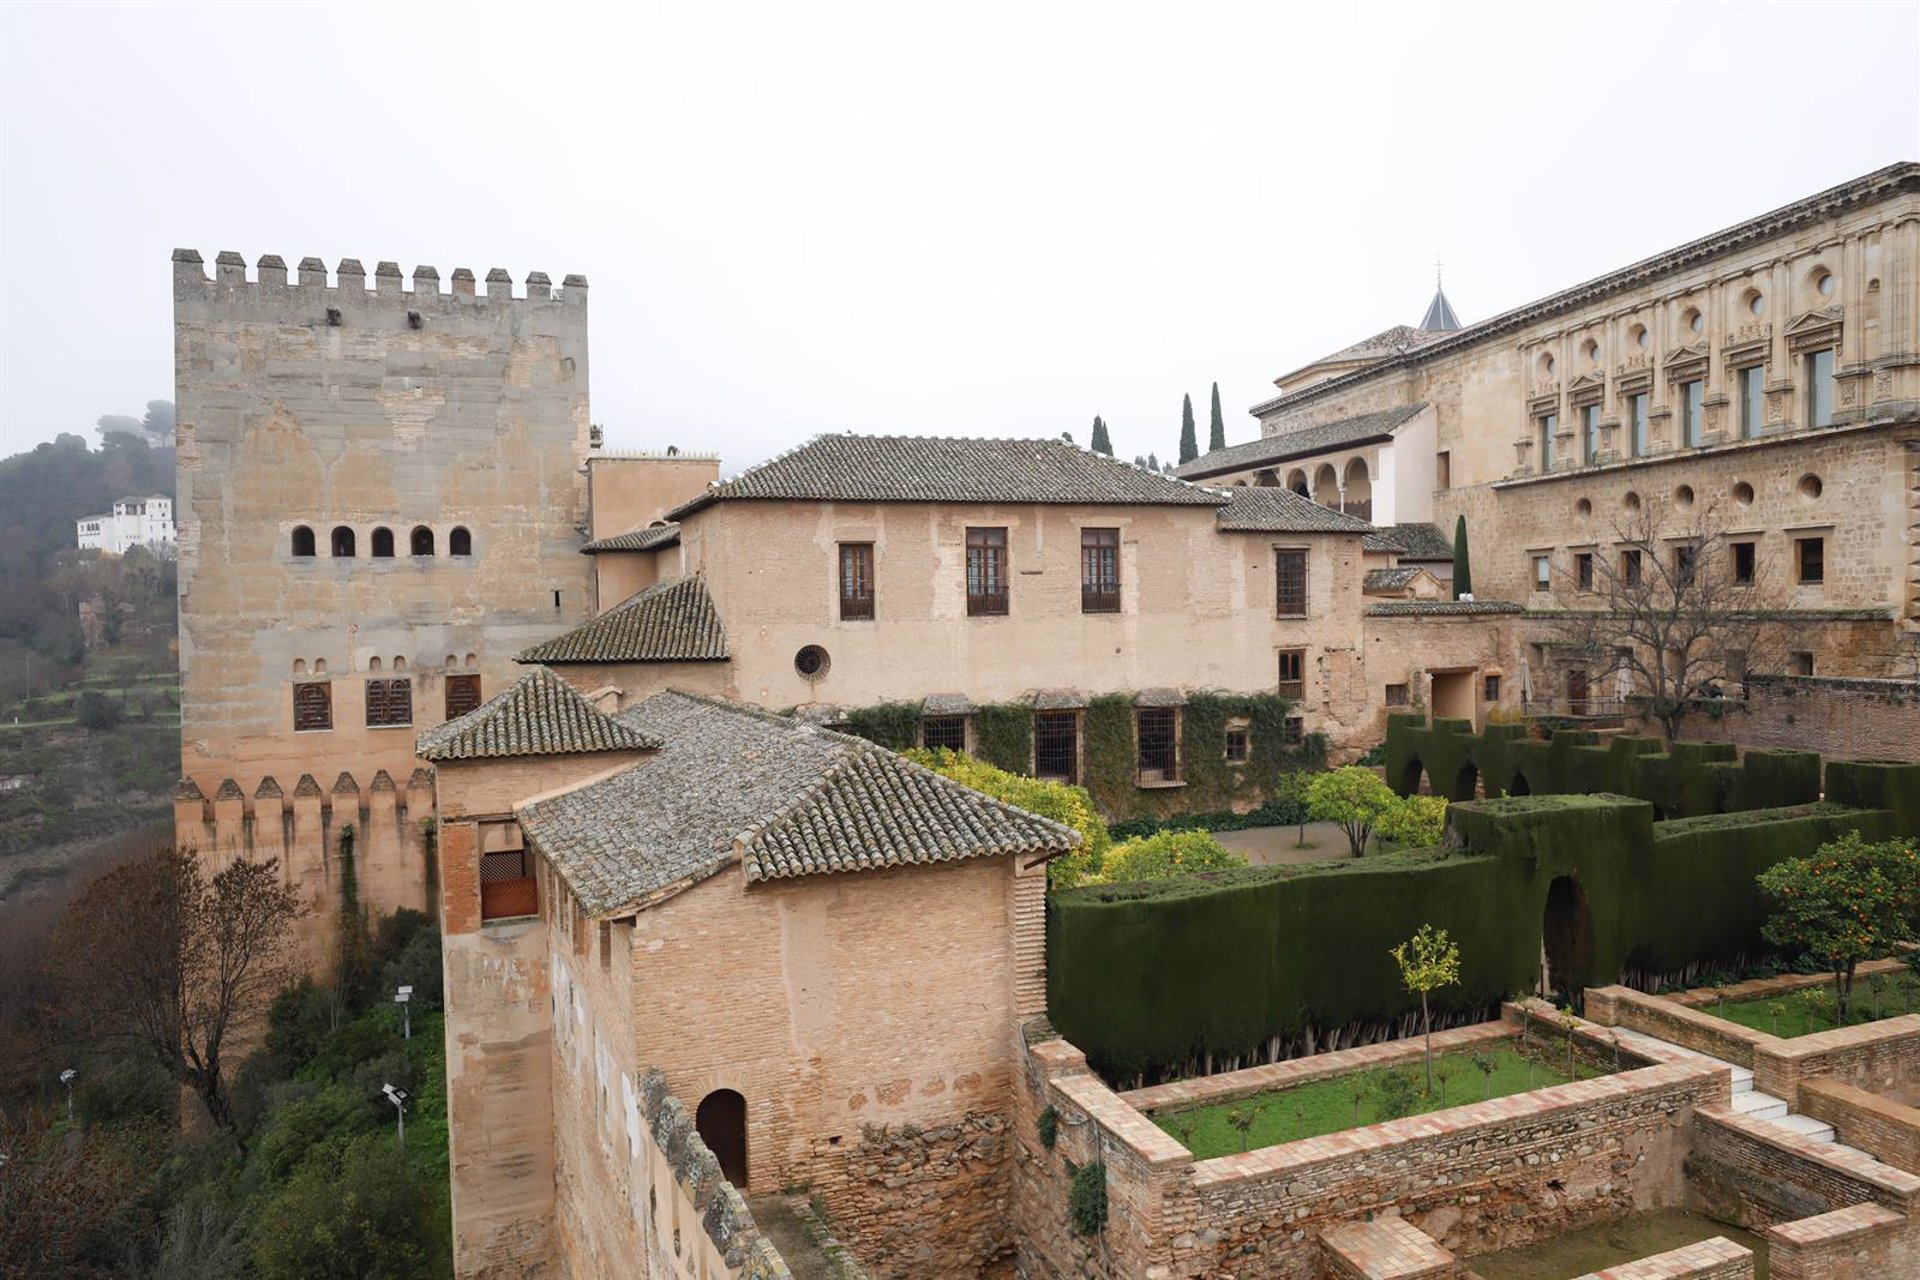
(383, 544)
(302, 540)
(460, 542)
(343, 542)
(422, 540)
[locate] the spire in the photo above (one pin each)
(1440, 317)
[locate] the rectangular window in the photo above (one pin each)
(1583, 569)
(856, 580)
(1692, 415)
(1293, 731)
(1099, 571)
(1684, 561)
(1056, 746)
(1493, 689)
(1396, 695)
(1753, 401)
(1545, 427)
(1239, 743)
(389, 703)
(463, 695)
(1819, 366)
(1542, 573)
(1630, 567)
(1159, 730)
(986, 572)
(1590, 434)
(506, 886)
(1810, 556)
(948, 732)
(1290, 583)
(1743, 564)
(312, 706)
(1637, 418)
(1800, 663)
(1443, 471)
(1293, 674)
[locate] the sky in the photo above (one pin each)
(974, 219)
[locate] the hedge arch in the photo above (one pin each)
(1409, 777)
(1465, 783)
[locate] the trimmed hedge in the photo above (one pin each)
(1153, 979)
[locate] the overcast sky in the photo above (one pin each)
(963, 219)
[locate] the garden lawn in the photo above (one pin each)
(1328, 1106)
(1805, 1012)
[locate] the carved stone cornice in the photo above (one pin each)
(1815, 330)
(1688, 364)
(1747, 346)
(1588, 388)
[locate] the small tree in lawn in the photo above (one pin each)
(1428, 960)
(1353, 797)
(1851, 901)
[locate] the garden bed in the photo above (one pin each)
(1495, 1069)
(1811, 1009)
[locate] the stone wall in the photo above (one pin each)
(1872, 1055)
(1716, 1258)
(1842, 719)
(1862, 1242)
(1676, 1024)
(1757, 1174)
(1886, 1130)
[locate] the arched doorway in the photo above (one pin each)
(721, 1121)
(1410, 779)
(1566, 941)
(1466, 783)
(1519, 787)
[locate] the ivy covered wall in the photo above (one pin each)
(1003, 736)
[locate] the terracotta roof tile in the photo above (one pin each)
(540, 715)
(1301, 443)
(652, 538)
(668, 622)
(1269, 510)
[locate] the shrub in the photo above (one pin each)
(1165, 854)
(1417, 822)
(1087, 1199)
(1049, 1127)
(1070, 806)
(365, 1217)
(1354, 798)
(98, 711)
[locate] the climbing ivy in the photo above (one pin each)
(1087, 1199)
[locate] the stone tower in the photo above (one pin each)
(381, 499)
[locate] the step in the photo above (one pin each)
(1759, 1106)
(1805, 1127)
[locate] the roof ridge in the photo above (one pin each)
(468, 737)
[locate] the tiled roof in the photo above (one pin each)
(1391, 579)
(846, 468)
(668, 622)
(798, 800)
(1401, 337)
(1269, 510)
(540, 715)
(652, 538)
(1437, 608)
(1305, 442)
(1412, 541)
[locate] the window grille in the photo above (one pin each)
(1396, 695)
(986, 572)
(948, 732)
(1099, 571)
(1293, 731)
(856, 580)
(1239, 744)
(1290, 583)
(1056, 746)
(1159, 744)
(312, 706)
(463, 695)
(389, 703)
(507, 886)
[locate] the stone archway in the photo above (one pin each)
(721, 1121)
(1566, 941)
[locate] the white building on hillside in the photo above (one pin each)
(133, 522)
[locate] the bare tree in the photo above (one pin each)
(156, 954)
(1672, 605)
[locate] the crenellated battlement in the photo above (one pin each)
(349, 281)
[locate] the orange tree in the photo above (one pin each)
(1851, 901)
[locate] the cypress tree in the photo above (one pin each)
(1189, 445)
(1217, 430)
(1100, 442)
(1153, 462)
(1462, 567)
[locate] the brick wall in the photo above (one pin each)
(1862, 1242)
(1881, 1127)
(1873, 1055)
(1714, 1259)
(1842, 719)
(1688, 1028)
(1756, 1174)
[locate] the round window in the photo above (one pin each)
(1640, 337)
(1823, 283)
(1743, 494)
(1756, 305)
(1632, 501)
(1810, 486)
(1696, 321)
(1683, 497)
(812, 662)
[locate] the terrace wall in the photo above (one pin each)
(1757, 1174)
(1716, 1258)
(1873, 1055)
(1840, 717)
(1863, 1242)
(1884, 1129)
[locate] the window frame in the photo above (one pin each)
(1750, 387)
(1638, 405)
(378, 694)
(1237, 734)
(1819, 387)
(1099, 550)
(1801, 543)
(1281, 578)
(1490, 688)
(958, 720)
(1165, 746)
(1590, 434)
(987, 562)
(1541, 564)
(1051, 721)
(1391, 699)
(1546, 428)
(1583, 570)
(1693, 424)
(467, 680)
(1299, 683)
(1752, 550)
(1686, 564)
(321, 708)
(1632, 567)
(855, 560)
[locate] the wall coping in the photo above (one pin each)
(1299, 1156)
(1896, 1184)
(1703, 1257)
(1842, 1039)
(1147, 1141)
(1778, 984)
(1744, 1040)
(1823, 1228)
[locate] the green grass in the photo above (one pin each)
(1328, 1106)
(1805, 1012)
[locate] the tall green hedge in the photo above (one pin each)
(1150, 979)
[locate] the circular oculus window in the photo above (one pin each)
(812, 662)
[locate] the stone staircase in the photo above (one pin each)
(1747, 1100)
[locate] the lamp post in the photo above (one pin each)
(404, 998)
(399, 1098)
(66, 1078)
